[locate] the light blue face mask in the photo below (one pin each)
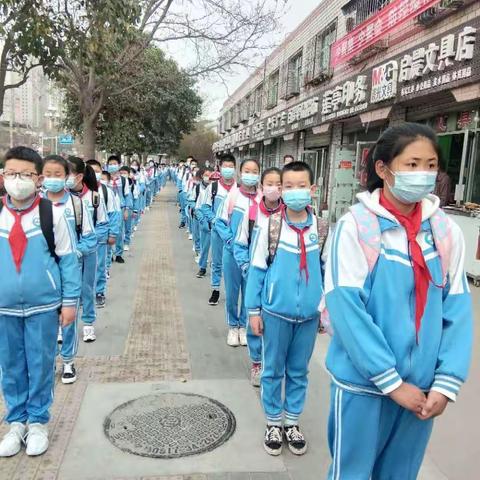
(412, 187)
(227, 172)
(71, 182)
(297, 199)
(250, 179)
(54, 185)
(113, 168)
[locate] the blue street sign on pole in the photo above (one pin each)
(66, 139)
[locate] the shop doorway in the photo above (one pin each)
(318, 161)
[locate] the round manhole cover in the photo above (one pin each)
(170, 425)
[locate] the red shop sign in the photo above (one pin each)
(377, 26)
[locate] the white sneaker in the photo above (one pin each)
(135, 228)
(89, 333)
(232, 338)
(126, 248)
(37, 439)
(190, 236)
(242, 334)
(12, 441)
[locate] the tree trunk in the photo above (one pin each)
(89, 139)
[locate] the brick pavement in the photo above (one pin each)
(155, 350)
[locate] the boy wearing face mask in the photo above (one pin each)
(214, 197)
(282, 298)
(258, 216)
(109, 237)
(36, 286)
(121, 189)
(203, 227)
(125, 173)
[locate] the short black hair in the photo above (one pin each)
(116, 158)
(94, 162)
(244, 162)
(288, 156)
(107, 174)
(26, 154)
(227, 158)
(59, 161)
(125, 169)
(299, 167)
(270, 170)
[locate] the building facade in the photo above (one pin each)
(349, 71)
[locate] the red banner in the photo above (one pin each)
(377, 26)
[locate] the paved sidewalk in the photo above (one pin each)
(158, 334)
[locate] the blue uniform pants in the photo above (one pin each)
(89, 273)
(148, 196)
(28, 346)
(196, 233)
(287, 349)
(183, 201)
(205, 238)
(120, 238)
(254, 344)
(372, 437)
(128, 228)
(69, 348)
(101, 268)
(217, 259)
(234, 290)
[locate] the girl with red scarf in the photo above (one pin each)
(402, 323)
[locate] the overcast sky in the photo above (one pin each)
(215, 93)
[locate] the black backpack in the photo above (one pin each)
(214, 192)
(46, 224)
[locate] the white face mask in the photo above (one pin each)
(20, 189)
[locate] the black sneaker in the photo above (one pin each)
(201, 273)
(295, 439)
(69, 374)
(182, 225)
(214, 298)
(273, 440)
(119, 259)
(100, 300)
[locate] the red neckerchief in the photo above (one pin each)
(301, 241)
(17, 238)
(226, 186)
(267, 212)
(83, 192)
(421, 274)
(246, 193)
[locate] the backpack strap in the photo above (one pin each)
(124, 182)
(197, 192)
(78, 214)
(369, 234)
(442, 236)
(323, 227)
(214, 192)
(274, 230)
(96, 204)
(46, 224)
(105, 193)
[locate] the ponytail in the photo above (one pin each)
(77, 165)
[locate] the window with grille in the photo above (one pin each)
(273, 82)
(324, 44)
(295, 74)
(362, 10)
(259, 99)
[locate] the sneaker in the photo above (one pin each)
(107, 275)
(89, 333)
(126, 248)
(201, 273)
(295, 439)
(182, 225)
(69, 374)
(273, 440)
(59, 336)
(233, 339)
(190, 236)
(100, 300)
(37, 439)
(119, 259)
(214, 298)
(242, 334)
(135, 228)
(255, 374)
(13, 440)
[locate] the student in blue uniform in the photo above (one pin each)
(125, 173)
(213, 199)
(400, 308)
(237, 203)
(56, 171)
(105, 236)
(257, 217)
(193, 225)
(82, 182)
(203, 225)
(40, 280)
(121, 189)
(282, 298)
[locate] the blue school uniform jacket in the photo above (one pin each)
(209, 211)
(374, 347)
(281, 289)
(42, 285)
(124, 194)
